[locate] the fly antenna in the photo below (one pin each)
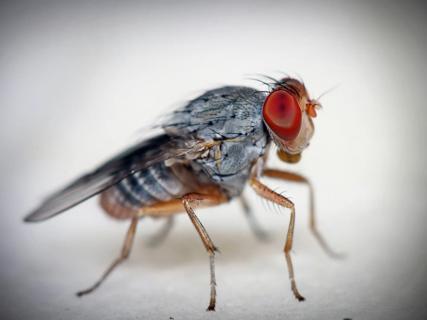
(327, 91)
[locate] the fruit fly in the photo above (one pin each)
(206, 153)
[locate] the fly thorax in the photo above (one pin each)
(229, 163)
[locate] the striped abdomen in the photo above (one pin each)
(156, 184)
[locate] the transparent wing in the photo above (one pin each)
(136, 158)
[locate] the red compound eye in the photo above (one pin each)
(282, 114)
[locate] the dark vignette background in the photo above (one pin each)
(79, 78)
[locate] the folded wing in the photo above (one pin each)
(140, 156)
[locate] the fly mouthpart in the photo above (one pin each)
(287, 157)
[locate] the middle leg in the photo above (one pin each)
(162, 234)
(187, 201)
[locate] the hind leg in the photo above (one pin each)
(123, 256)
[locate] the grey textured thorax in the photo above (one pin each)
(231, 117)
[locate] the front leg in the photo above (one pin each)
(269, 194)
(294, 177)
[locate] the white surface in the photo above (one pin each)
(78, 80)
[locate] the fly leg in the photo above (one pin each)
(289, 176)
(269, 194)
(253, 222)
(187, 201)
(123, 255)
(162, 234)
